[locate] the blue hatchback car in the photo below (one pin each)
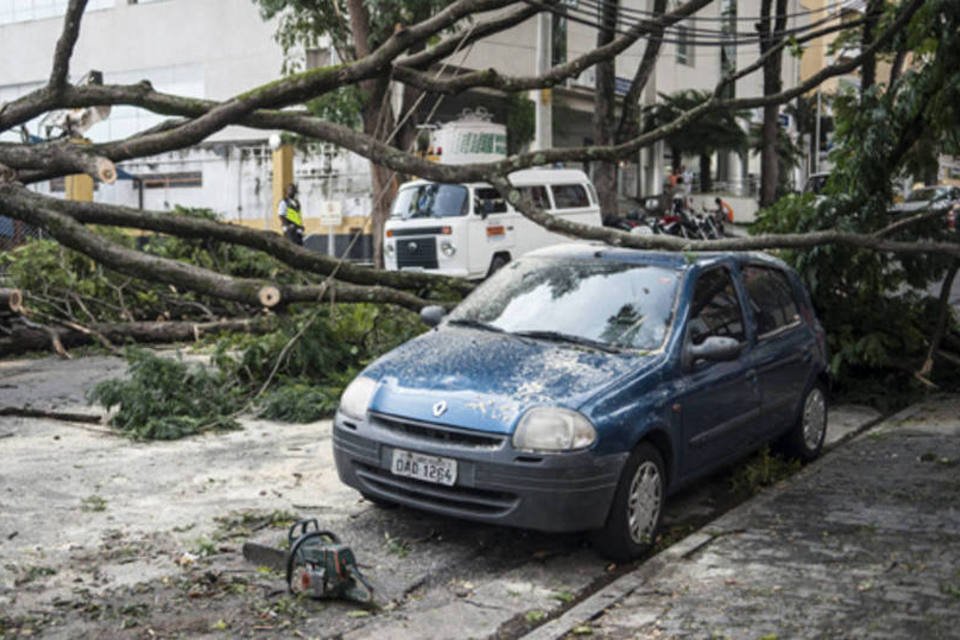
(580, 385)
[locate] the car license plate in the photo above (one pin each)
(427, 468)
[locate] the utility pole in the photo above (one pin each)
(542, 98)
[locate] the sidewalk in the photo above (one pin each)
(863, 543)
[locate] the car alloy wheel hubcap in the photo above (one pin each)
(814, 419)
(643, 506)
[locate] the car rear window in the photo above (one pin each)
(570, 196)
(715, 310)
(771, 298)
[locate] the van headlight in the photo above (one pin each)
(356, 397)
(388, 247)
(447, 248)
(553, 429)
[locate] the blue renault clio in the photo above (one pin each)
(580, 385)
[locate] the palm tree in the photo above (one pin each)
(717, 130)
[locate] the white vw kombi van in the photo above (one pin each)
(468, 230)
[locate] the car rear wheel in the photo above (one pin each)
(637, 508)
(805, 439)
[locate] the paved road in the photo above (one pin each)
(864, 543)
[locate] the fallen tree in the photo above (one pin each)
(23, 338)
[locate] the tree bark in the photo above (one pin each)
(604, 102)
(868, 72)
(769, 39)
(706, 170)
(23, 339)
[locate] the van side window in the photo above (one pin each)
(771, 298)
(537, 196)
(570, 196)
(715, 310)
(487, 200)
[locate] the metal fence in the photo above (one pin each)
(13, 233)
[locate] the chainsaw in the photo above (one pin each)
(321, 566)
(318, 564)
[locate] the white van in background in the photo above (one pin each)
(468, 230)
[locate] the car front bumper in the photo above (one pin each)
(495, 483)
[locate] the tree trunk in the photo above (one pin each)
(868, 71)
(23, 338)
(706, 179)
(605, 172)
(769, 37)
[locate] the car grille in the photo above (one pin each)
(465, 499)
(417, 252)
(432, 433)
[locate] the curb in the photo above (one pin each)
(595, 605)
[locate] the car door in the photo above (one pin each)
(492, 229)
(719, 402)
(784, 348)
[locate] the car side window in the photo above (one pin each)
(537, 196)
(570, 196)
(487, 200)
(715, 309)
(771, 298)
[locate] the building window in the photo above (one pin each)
(684, 44)
(12, 11)
(176, 180)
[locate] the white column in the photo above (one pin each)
(543, 132)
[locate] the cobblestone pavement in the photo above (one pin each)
(865, 543)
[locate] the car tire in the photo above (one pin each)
(498, 262)
(381, 503)
(637, 508)
(805, 439)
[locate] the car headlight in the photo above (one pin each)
(447, 248)
(356, 397)
(553, 429)
(388, 247)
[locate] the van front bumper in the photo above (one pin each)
(495, 483)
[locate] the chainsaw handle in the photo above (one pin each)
(305, 526)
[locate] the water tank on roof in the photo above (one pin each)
(474, 137)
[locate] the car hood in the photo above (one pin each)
(487, 380)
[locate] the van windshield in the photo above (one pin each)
(611, 303)
(431, 201)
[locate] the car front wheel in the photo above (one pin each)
(637, 507)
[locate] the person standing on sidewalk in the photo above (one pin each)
(290, 217)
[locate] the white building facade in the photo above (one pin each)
(217, 48)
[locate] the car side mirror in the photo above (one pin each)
(714, 349)
(432, 315)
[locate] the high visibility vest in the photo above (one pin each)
(294, 216)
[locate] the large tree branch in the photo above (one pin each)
(62, 157)
(630, 114)
(266, 241)
(807, 240)
(65, 44)
(491, 78)
(73, 235)
(480, 30)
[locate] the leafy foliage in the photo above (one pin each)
(65, 284)
(308, 361)
(874, 306)
(166, 398)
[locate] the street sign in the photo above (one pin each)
(331, 213)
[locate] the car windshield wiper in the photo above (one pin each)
(474, 324)
(556, 336)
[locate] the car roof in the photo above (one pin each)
(667, 259)
(526, 177)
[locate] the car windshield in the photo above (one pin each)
(922, 195)
(431, 201)
(608, 303)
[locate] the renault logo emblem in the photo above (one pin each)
(440, 408)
